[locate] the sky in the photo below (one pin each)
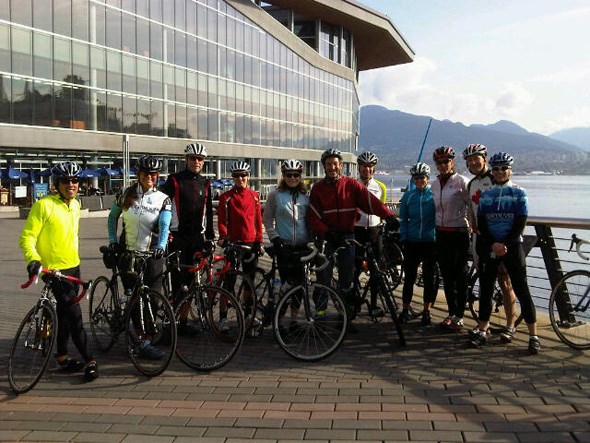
(526, 61)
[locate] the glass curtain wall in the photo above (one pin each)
(173, 68)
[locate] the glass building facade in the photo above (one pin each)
(167, 68)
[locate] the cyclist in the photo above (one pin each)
(191, 228)
(239, 220)
(284, 219)
(476, 156)
(449, 192)
(146, 214)
(368, 227)
(501, 216)
(418, 235)
(50, 239)
(334, 204)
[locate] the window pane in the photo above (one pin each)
(114, 71)
(80, 67)
(129, 74)
(80, 108)
(62, 66)
(156, 85)
(42, 15)
(22, 101)
(63, 106)
(156, 39)
(79, 19)
(113, 22)
(143, 38)
(21, 12)
(129, 114)
(43, 114)
(22, 61)
(157, 118)
(128, 36)
(143, 77)
(42, 48)
(62, 20)
(143, 117)
(98, 64)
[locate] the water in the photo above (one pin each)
(549, 195)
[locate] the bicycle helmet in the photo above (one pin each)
(65, 169)
(420, 169)
(149, 163)
(292, 165)
(501, 159)
(475, 149)
(331, 153)
(444, 152)
(239, 167)
(195, 149)
(367, 158)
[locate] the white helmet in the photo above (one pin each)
(292, 165)
(239, 167)
(420, 169)
(367, 158)
(195, 149)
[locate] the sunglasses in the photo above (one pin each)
(501, 168)
(446, 161)
(243, 175)
(65, 181)
(419, 177)
(195, 158)
(292, 174)
(151, 174)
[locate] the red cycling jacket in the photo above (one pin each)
(239, 216)
(333, 206)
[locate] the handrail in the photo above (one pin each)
(560, 222)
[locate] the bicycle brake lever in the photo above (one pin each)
(575, 241)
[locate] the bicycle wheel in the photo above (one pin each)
(264, 305)
(150, 333)
(32, 348)
(394, 264)
(386, 293)
(568, 309)
(105, 316)
(313, 335)
(215, 341)
(242, 288)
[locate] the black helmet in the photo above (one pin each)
(149, 163)
(501, 159)
(65, 169)
(444, 152)
(331, 153)
(475, 149)
(195, 149)
(367, 158)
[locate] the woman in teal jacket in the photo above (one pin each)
(417, 229)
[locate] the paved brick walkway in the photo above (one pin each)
(435, 389)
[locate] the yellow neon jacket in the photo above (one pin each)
(50, 234)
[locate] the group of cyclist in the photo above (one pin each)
(436, 221)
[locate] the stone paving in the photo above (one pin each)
(437, 388)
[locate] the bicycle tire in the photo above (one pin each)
(386, 293)
(574, 331)
(28, 360)
(242, 288)
(209, 348)
(394, 264)
(104, 314)
(310, 337)
(264, 303)
(150, 313)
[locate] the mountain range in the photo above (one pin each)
(396, 137)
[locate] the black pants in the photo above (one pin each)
(452, 249)
(414, 254)
(187, 247)
(369, 235)
(515, 263)
(69, 316)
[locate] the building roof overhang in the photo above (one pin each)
(378, 43)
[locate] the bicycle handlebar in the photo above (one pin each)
(86, 285)
(579, 242)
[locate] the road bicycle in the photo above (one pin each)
(569, 302)
(383, 284)
(310, 319)
(392, 255)
(36, 336)
(144, 315)
(237, 282)
(212, 315)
